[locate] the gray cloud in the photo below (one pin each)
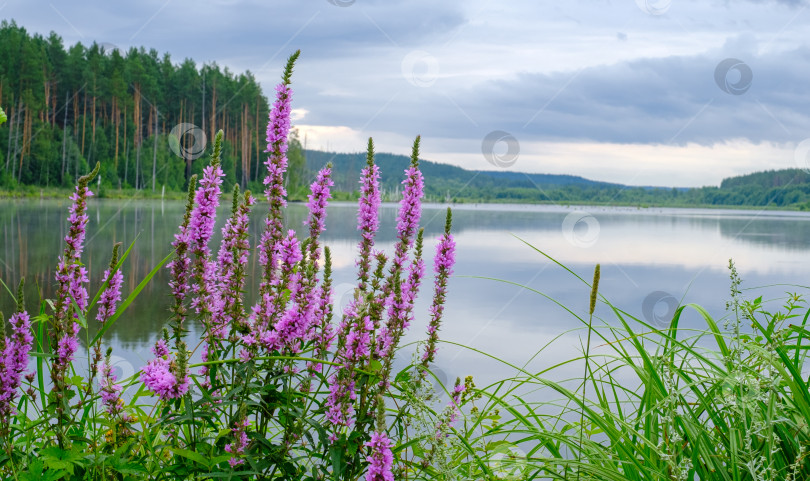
(574, 71)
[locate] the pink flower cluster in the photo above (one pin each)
(443, 268)
(111, 295)
(71, 276)
(161, 375)
(380, 458)
(111, 392)
(240, 442)
(318, 200)
(14, 361)
(232, 260)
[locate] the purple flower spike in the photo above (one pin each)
(443, 268)
(159, 377)
(318, 200)
(111, 295)
(278, 129)
(232, 262)
(380, 458)
(15, 351)
(71, 277)
(240, 441)
(368, 220)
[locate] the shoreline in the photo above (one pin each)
(30, 192)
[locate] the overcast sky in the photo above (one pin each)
(656, 92)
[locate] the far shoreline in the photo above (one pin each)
(54, 193)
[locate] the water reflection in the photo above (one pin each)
(682, 253)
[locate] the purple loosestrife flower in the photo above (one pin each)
(450, 413)
(232, 260)
(458, 390)
(322, 316)
(380, 458)
(443, 268)
(278, 129)
(108, 302)
(359, 339)
(368, 220)
(400, 309)
(15, 351)
(180, 266)
(201, 228)
(340, 401)
(291, 328)
(111, 391)
(318, 200)
(159, 378)
(240, 441)
(160, 348)
(410, 208)
(399, 292)
(166, 377)
(71, 277)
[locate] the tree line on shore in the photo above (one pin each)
(145, 118)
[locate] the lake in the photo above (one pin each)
(652, 260)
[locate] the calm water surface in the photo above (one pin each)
(652, 259)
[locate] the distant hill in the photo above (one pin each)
(789, 188)
(438, 177)
(768, 178)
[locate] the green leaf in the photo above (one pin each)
(59, 459)
(130, 468)
(196, 457)
(375, 366)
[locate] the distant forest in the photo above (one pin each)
(69, 108)
(785, 189)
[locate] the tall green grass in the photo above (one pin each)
(724, 402)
